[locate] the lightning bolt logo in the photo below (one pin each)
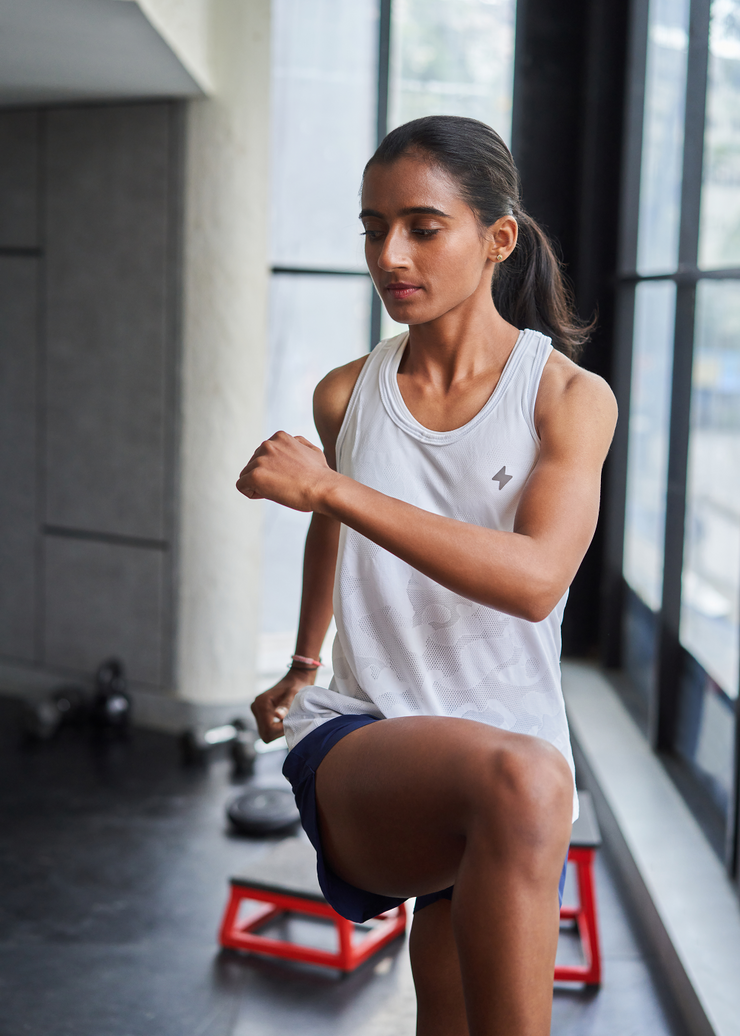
(502, 478)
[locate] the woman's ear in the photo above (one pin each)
(503, 235)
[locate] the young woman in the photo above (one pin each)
(456, 495)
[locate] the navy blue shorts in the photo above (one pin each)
(300, 768)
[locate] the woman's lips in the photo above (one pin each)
(401, 291)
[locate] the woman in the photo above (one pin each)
(457, 493)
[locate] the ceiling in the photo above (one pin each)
(55, 51)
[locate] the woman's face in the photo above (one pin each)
(424, 247)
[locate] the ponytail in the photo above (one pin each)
(529, 289)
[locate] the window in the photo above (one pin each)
(453, 57)
(324, 117)
(720, 202)
(663, 134)
(316, 324)
(650, 399)
(681, 283)
(710, 595)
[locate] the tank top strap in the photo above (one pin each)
(530, 375)
(368, 375)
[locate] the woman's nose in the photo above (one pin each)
(393, 253)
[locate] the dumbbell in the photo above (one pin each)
(199, 745)
(43, 718)
(111, 706)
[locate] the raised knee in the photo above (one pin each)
(530, 790)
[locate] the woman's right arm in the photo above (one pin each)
(319, 561)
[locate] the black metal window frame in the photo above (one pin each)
(381, 122)
(663, 706)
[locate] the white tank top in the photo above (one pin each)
(406, 646)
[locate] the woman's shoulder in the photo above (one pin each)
(331, 399)
(567, 387)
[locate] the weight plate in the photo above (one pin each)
(260, 811)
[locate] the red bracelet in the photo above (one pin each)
(313, 662)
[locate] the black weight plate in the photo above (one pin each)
(259, 811)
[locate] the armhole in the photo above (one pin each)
(352, 403)
(542, 355)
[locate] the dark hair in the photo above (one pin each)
(529, 289)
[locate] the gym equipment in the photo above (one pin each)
(285, 882)
(263, 811)
(111, 706)
(585, 840)
(265, 747)
(197, 746)
(42, 719)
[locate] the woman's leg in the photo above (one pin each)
(436, 968)
(409, 806)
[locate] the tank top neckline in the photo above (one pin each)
(396, 407)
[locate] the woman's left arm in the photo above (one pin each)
(522, 573)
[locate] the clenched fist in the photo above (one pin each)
(271, 707)
(289, 470)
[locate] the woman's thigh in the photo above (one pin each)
(397, 799)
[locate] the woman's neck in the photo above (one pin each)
(465, 343)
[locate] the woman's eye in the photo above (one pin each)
(373, 234)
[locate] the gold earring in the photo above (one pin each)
(499, 258)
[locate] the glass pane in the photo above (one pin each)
(324, 117)
(640, 633)
(316, 323)
(453, 57)
(662, 139)
(719, 239)
(647, 457)
(711, 568)
(706, 732)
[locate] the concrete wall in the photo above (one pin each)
(89, 319)
(186, 27)
(133, 316)
(19, 314)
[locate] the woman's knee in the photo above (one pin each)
(526, 792)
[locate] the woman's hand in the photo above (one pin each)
(271, 707)
(289, 470)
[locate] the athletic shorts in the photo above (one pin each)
(300, 768)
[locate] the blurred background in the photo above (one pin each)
(180, 263)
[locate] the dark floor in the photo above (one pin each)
(115, 863)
